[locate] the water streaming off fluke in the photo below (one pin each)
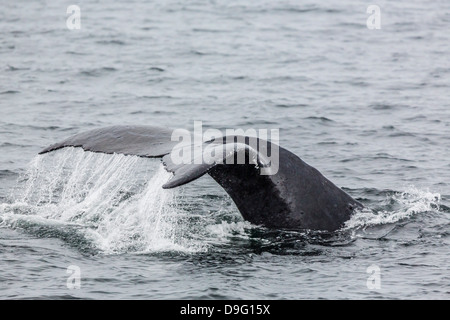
(117, 201)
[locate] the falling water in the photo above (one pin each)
(116, 201)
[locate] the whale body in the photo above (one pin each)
(297, 196)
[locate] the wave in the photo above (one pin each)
(407, 204)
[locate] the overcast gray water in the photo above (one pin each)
(368, 108)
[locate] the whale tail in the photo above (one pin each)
(280, 191)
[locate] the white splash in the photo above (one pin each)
(410, 202)
(225, 230)
(117, 199)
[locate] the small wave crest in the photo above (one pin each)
(227, 230)
(403, 205)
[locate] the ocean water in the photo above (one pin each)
(368, 108)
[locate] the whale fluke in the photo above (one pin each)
(142, 141)
(297, 196)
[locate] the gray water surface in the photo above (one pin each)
(368, 108)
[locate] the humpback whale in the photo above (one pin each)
(296, 197)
